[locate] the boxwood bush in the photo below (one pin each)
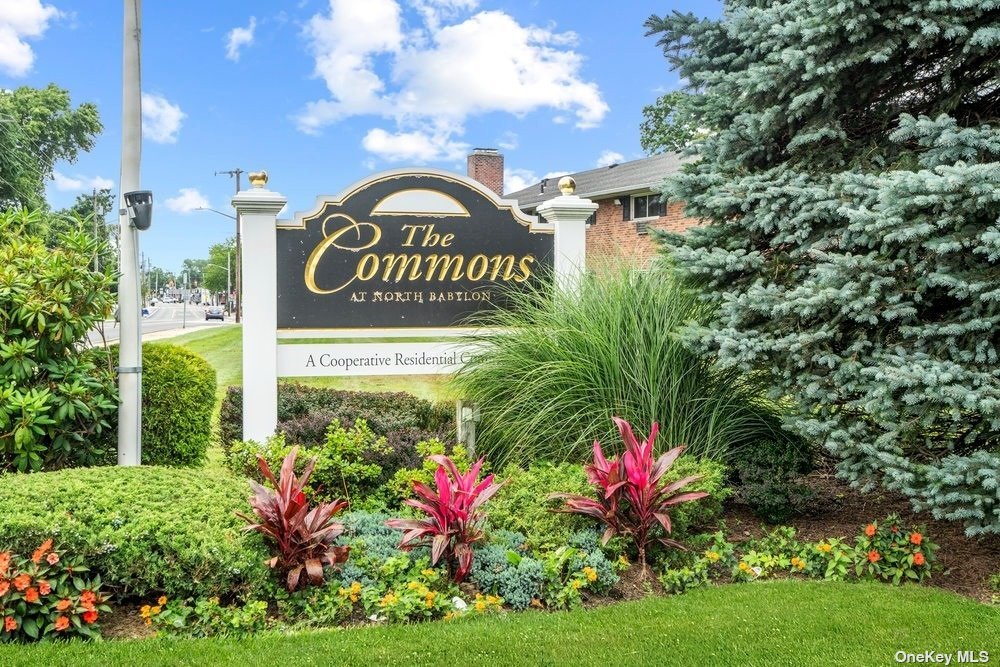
(145, 530)
(178, 394)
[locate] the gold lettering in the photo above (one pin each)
(360, 272)
(409, 237)
(525, 266)
(331, 240)
(403, 261)
(507, 261)
(446, 262)
(472, 271)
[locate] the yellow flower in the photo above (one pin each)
(493, 599)
(342, 592)
(744, 567)
(162, 601)
(712, 555)
(825, 548)
(428, 572)
(155, 610)
(798, 563)
(480, 605)
(576, 583)
(591, 573)
(149, 621)
(413, 585)
(623, 560)
(388, 599)
(356, 587)
(144, 611)
(448, 615)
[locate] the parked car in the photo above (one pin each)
(215, 313)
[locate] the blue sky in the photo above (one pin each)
(323, 93)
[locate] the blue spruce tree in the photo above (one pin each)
(851, 189)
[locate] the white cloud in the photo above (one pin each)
(430, 69)
(161, 120)
(608, 158)
(417, 147)
(21, 20)
(507, 141)
(238, 38)
(187, 200)
(518, 179)
(66, 183)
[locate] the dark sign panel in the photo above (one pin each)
(405, 250)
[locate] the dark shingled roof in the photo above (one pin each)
(604, 182)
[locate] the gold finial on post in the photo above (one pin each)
(567, 185)
(258, 179)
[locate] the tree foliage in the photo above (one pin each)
(669, 124)
(55, 397)
(39, 127)
(853, 192)
(215, 269)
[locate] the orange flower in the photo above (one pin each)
(31, 595)
(90, 616)
(88, 606)
(9, 624)
(88, 597)
(4, 587)
(4, 562)
(916, 538)
(44, 587)
(62, 622)
(63, 605)
(40, 551)
(873, 556)
(22, 581)
(918, 559)
(870, 530)
(52, 558)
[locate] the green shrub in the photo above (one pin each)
(145, 530)
(400, 485)
(305, 412)
(765, 477)
(207, 617)
(564, 363)
(56, 398)
(178, 394)
(521, 505)
(345, 465)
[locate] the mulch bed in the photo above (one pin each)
(840, 511)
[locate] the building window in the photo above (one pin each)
(646, 206)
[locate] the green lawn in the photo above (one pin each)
(223, 349)
(777, 623)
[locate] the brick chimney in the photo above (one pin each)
(486, 166)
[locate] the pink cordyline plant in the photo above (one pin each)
(454, 517)
(304, 535)
(632, 498)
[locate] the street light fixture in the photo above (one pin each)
(238, 257)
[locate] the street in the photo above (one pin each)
(162, 317)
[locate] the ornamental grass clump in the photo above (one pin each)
(553, 368)
(304, 535)
(633, 500)
(454, 519)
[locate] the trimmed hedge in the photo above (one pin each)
(178, 395)
(146, 530)
(305, 412)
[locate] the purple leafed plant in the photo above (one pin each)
(454, 515)
(632, 498)
(304, 536)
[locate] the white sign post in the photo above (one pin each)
(264, 361)
(257, 209)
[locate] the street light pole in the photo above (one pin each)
(239, 255)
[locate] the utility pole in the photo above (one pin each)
(97, 260)
(129, 306)
(239, 254)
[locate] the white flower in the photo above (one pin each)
(459, 604)
(376, 618)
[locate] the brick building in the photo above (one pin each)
(628, 206)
